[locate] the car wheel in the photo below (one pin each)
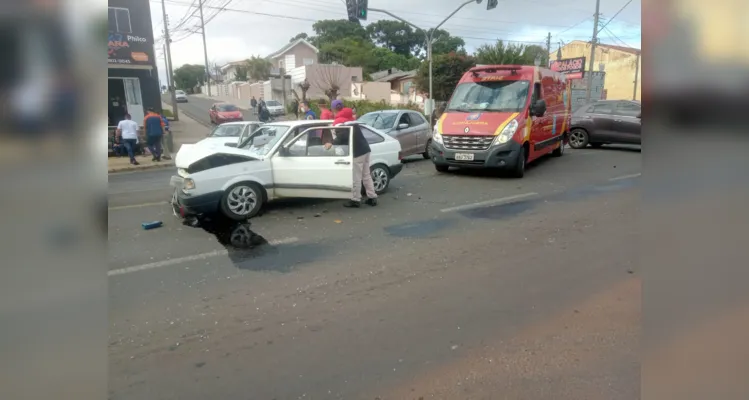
(242, 201)
(441, 168)
(380, 178)
(578, 138)
(428, 151)
(558, 152)
(518, 171)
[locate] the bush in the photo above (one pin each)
(167, 113)
(366, 106)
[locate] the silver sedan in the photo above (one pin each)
(409, 127)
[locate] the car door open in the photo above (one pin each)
(304, 167)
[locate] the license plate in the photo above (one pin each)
(464, 157)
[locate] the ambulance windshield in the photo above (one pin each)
(501, 96)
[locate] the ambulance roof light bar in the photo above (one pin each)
(494, 68)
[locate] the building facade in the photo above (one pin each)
(622, 67)
(133, 80)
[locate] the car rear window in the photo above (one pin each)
(371, 136)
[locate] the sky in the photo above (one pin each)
(237, 29)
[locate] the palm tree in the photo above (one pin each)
(499, 53)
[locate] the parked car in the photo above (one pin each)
(409, 127)
(275, 108)
(606, 122)
(230, 132)
(278, 160)
(224, 112)
(181, 96)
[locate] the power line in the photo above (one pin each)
(612, 36)
(617, 13)
(572, 27)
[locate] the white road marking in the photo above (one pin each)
(618, 178)
(160, 203)
(196, 257)
(488, 202)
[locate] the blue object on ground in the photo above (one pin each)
(152, 225)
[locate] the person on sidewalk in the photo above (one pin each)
(361, 153)
(308, 113)
(295, 106)
(253, 104)
(263, 113)
(154, 127)
(325, 113)
(127, 130)
(166, 139)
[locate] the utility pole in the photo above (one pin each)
(205, 50)
(592, 52)
(429, 37)
(282, 70)
(548, 50)
(168, 60)
(637, 73)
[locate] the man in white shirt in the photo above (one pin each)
(127, 129)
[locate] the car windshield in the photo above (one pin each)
(180, 92)
(272, 103)
(227, 107)
(260, 142)
(379, 120)
(227, 131)
(505, 96)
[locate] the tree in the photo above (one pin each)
(189, 76)
(366, 55)
(533, 51)
(396, 36)
(329, 81)
(240, 73)
(298, 36)
(499, 53)
(304, 86)
(258, 68)
(447, 71)
(333, 30)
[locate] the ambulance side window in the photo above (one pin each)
(536, 92)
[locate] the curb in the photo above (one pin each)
(141, 167)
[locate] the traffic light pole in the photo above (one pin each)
(429, 37)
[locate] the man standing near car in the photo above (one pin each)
(253, 104)
(361, 152)
(154, 127)
(127, 130)
(308, 113)
(325, 113)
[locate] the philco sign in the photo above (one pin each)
(127, 49)
(572, 68)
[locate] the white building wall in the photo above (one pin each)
(298, 75)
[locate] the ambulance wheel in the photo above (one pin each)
(518, 170)
(579, 138)
(559, 151)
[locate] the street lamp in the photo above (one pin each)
(429, 37)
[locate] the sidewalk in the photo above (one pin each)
(184, 131)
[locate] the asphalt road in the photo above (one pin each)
(197, 109)
(456, 286)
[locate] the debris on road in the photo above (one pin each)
(152, 225)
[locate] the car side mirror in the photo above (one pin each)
(402, 126)
(539, 108)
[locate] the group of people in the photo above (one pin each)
(156, 127)
(260, 109)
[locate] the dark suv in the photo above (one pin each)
(606, 122)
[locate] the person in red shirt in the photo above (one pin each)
(325, 113)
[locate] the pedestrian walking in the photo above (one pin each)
(263, 113)
(253, 104)
(361, 152)
(154, 127)
(127, 130)
(308, 113)
(295, 106)
(166, 138)
(325, 113)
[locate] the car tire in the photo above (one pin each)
(442, 168)
(427, 151)
(380, 177)
(558, 152)
(579, 138)
(242, 201)
(518, 170)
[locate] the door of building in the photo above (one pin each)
(133, 99)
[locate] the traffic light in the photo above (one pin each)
(361, 9)
(491, 4)
(351, 10)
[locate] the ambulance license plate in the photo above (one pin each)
(463, 157)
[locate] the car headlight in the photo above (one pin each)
(189, 184)
(437, 136)
(507, 133)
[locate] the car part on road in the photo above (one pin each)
(578, 138)
(380, 178)
(242, 201)
(152, 225)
